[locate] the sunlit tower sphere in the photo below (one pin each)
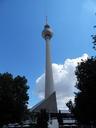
(47, 33)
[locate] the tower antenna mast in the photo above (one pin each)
(46, 20)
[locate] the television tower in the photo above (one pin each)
(49, 102)
(49, 84)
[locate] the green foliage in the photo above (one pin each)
(60, 118)
(13, 98)
(42, 119)
(94, 41)
(84, 107)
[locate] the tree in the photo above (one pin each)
(42, 119)
(84, 106)
(13, 98)
(94, 40)
(60, 119)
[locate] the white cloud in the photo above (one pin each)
(64, 81)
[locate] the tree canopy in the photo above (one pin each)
(13, 98)
(84, 106)
(94, 40)
(42, 119)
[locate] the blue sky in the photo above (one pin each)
(22, 49)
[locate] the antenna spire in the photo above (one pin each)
(46, 20)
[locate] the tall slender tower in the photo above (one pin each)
(49, 103)
(49, 84)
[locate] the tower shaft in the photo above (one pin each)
(49, 85)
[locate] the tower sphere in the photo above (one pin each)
(47, 32)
